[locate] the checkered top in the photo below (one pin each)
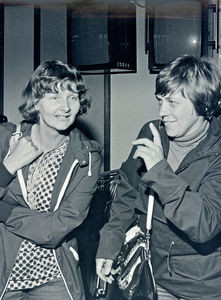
(35, 265)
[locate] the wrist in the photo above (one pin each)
(10, 167)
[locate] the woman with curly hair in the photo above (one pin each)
(49, 171)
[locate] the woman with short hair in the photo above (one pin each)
(178, 158)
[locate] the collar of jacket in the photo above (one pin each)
(80, 145)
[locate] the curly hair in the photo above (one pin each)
(52, 77)
(198, 79)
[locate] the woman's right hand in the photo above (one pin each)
(22, 153)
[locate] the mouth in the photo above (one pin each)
(165, 121)
(62, 117)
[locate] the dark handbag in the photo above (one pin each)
(135, 277)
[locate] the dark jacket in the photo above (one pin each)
(186, 229)
(71, 197)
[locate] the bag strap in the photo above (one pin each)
(22, 184)
(15, 136)
(150, 211)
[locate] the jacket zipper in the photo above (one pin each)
(65, 184)
(60, 196)
(169, 257)
(2, 294)
(65, 283)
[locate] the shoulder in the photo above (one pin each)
(81, 146)
(79, 139)
(6, 130)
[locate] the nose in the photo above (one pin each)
(65, 104)
(164, 109)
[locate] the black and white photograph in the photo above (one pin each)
(110, 150)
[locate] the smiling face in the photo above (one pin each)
(57, 111)
(178, 115)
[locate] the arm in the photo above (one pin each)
(6, 130)
(197, 213)
(112, 234)
(48, 229)
(5, 175)
(22, 152)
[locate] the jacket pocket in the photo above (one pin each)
(74, 252)
(195, 266)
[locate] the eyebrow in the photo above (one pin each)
(73, 92)
(169, 97)
(70, 92)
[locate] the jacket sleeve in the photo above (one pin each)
(6, 208)
(48, 229)
(5, 175)
(6, 130)
(122, 213)
(198, 214)
(112, 235)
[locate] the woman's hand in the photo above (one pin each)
(150, 151)
(23, 152)
(104, 269)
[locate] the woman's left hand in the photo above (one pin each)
(150, 151)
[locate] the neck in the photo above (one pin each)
(192, 138)
(46, 139)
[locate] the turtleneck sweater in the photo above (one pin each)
(180, 147)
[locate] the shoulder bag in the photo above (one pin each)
(135, 277)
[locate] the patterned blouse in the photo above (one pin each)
(36, 265)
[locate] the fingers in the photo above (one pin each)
(115, 271)
(107, 267)
(144, 141)
(156, 135)
(150, 151)
(33, 144)
(22, 153)
(27, 141)
(147, 142)
(103, 269)
(141, 152)
(35, 147)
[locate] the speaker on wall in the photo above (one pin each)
(102, 36)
